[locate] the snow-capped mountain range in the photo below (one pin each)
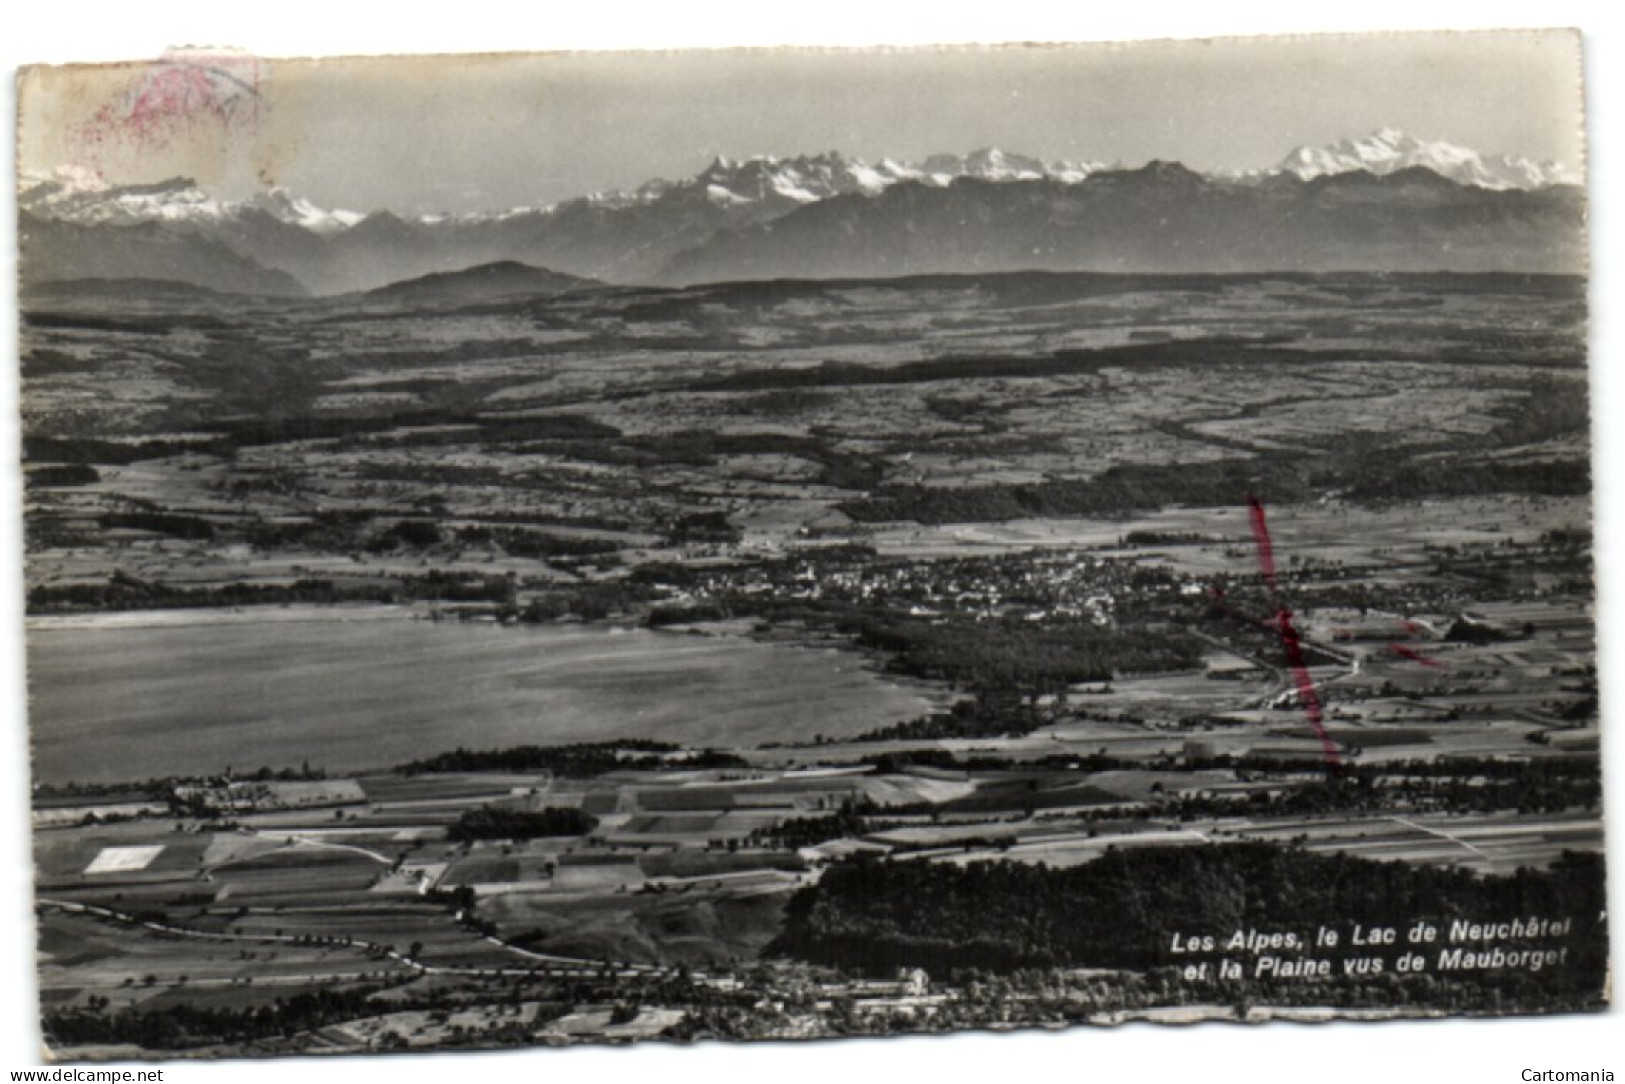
(1388, 150)
(79, 195)
(1388, 201)
(810, 178)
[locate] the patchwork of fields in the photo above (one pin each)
(540, 670)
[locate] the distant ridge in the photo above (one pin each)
(126, 289)
(502, 280)
(62, 250)
(1385, 202)
(1160, 218)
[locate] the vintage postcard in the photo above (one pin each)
(537, 549)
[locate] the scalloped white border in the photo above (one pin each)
(1486, 1051)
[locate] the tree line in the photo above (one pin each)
(870, 916)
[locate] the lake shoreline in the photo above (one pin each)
(165, 693)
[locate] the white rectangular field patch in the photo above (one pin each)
(123, 859)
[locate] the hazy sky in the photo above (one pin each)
(419, 134)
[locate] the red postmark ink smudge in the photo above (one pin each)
(1307, 696)
(184, 92)
(1261, 540)
(1414, 632)
(1415, 656)
(1411, 653)
(1291, 643)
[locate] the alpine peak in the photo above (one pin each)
(1388, 150)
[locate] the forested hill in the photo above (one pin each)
(1124, 909)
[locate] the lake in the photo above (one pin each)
(134, 696)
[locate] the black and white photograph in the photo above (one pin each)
(537, 549)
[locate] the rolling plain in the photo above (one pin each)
(636, 662)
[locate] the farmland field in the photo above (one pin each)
(555, 668)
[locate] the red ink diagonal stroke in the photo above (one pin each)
(1415, 656)
(1261, 539)
(1290, 641)
(1307, 696)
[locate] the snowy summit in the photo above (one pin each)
(1388, 150)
